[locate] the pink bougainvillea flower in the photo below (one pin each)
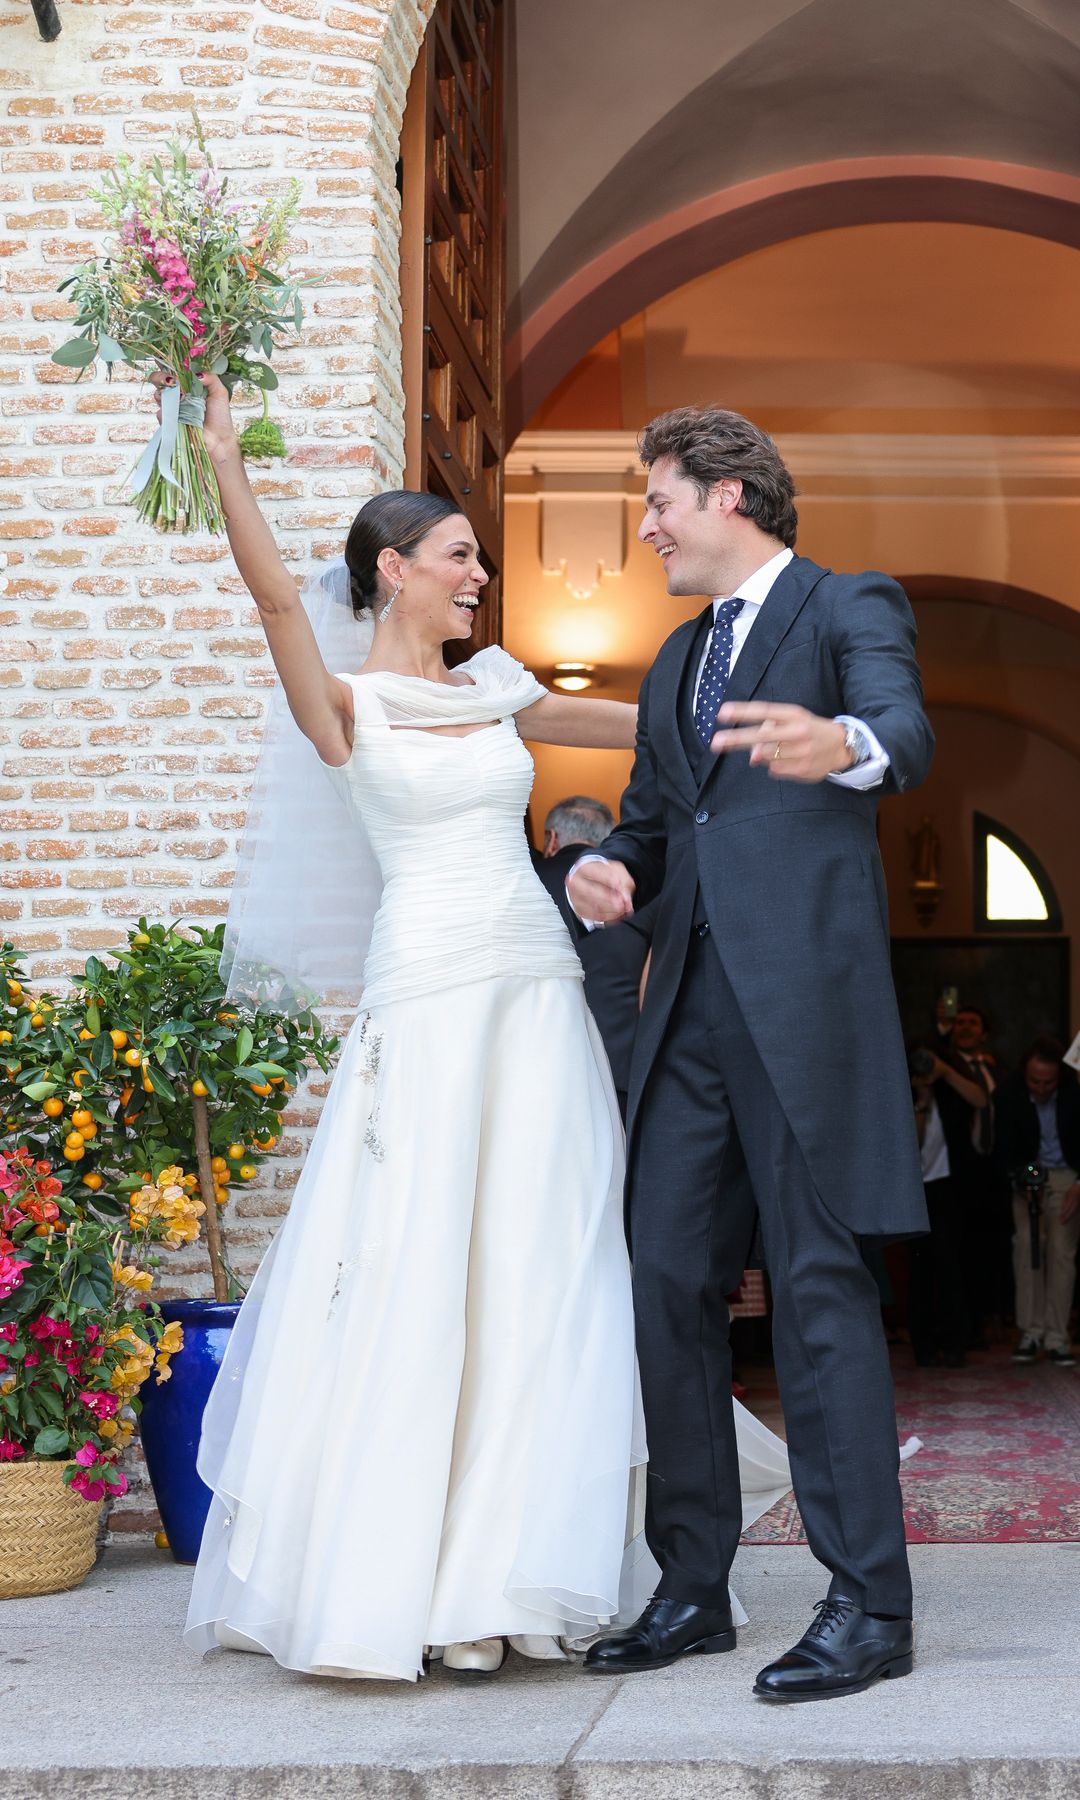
(90, 1490)
(8, 1332)
(103, 1406)
(9, 1180)
(10, 1451)
(87, 1456)
(11, 1274)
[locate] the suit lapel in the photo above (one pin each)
(786, 598)
(676, 676)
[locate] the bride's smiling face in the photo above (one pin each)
(441, 581)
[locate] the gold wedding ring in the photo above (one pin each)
(776, 754)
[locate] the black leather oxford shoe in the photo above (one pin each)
(844, 1651)
(666, 1630)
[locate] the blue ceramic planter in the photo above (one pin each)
(172, 1420)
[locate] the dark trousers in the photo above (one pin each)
(711, 1140)
(937, 1316)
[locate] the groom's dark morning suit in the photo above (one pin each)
(769, 1078)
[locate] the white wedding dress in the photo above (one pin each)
(426, 1421)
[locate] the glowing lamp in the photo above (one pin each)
(574, 677)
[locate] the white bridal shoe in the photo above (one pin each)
(480, 1656)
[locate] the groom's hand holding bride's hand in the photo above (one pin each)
(601, 892)
(792, 744)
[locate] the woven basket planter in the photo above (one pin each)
(48, 1535)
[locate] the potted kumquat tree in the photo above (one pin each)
(150, 1098)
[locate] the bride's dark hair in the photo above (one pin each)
(396, 521)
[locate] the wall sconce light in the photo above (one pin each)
(926, 889)
(574, 677)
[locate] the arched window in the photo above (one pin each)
(1013, 892)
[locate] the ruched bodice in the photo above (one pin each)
(461, 901)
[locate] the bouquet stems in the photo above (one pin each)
(190, 501)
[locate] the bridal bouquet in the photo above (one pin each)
(191, 282)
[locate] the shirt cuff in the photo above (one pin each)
(590, 856)
(868, 774)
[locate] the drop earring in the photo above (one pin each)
(385, 614)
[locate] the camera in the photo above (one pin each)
(921, 1062)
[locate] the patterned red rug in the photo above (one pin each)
(1000, 1462)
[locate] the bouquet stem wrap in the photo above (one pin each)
(174, 477)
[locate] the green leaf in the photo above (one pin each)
(94, 1289)
(271, 1068)
(261, 375)
(162, 1088)
(93, 1019)
(40, 1090)
(101, 1051)
(109, 350)
(219, 364)
(77, 353)
(244, 1044)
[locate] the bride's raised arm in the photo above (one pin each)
(580, 724)
(319, 702)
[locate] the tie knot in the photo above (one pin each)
(728, 610)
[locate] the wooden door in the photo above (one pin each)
(452, 281)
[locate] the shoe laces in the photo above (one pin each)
(830, 1614)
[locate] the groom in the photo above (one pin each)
(769, 1083)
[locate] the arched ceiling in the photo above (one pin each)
(897, 327)
(621, 112)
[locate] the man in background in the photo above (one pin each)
(572, 825)
(1038, 1122)
(613, 960)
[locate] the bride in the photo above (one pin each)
(424, 1428)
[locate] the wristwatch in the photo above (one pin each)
(857, 745)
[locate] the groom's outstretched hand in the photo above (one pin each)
(793, 744)
(601, 892)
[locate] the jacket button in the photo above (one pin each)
(701, 818)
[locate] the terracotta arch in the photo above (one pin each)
(721, 227)
(993, 593)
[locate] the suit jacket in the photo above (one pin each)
(553, 871)
(612, 959)
(789, 878)
(1017, 1122)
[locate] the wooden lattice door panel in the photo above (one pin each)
(452, 288)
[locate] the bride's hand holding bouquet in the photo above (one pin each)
(192, 284)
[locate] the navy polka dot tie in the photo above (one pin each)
(714, 676)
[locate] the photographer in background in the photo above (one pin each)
(1038, 1121)
(944, 1102)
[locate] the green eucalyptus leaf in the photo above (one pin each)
(109, 350)
(77, 353)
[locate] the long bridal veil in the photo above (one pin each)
(307, 883)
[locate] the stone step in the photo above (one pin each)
(989, 1713)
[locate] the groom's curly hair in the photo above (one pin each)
(708, 445)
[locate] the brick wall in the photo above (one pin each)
(133, 673)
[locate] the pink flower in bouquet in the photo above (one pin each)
(103, 1406)
(10, 1450)
(11, 1274)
